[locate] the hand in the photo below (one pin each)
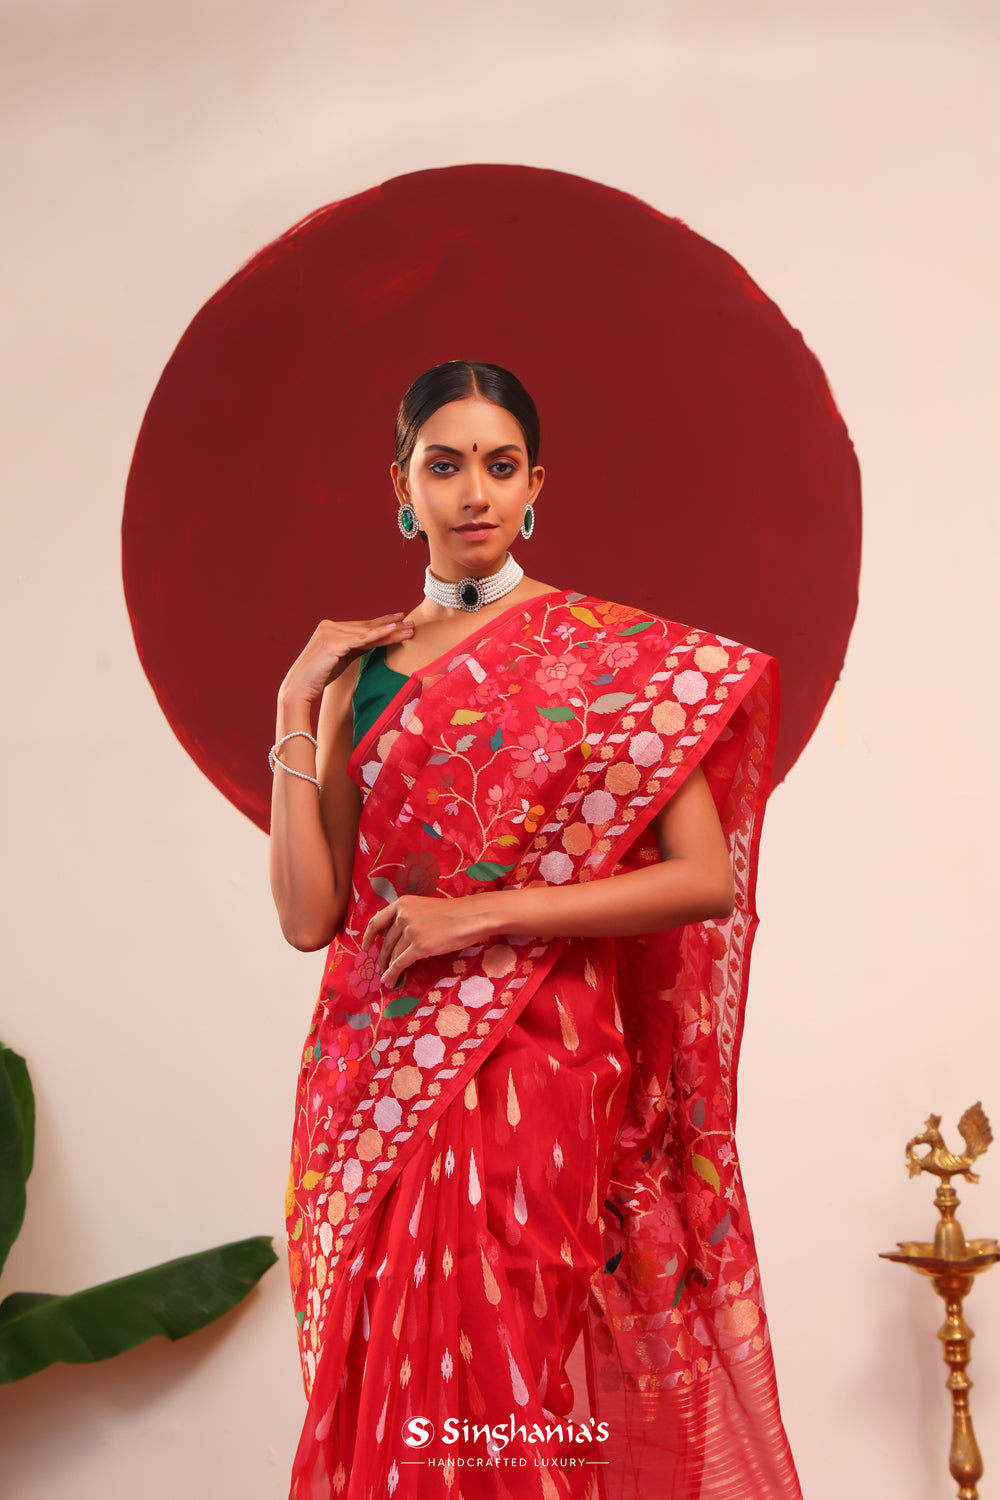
(333, 646)
(415, 927)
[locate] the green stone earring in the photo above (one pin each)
(406, 519)
(528, 524)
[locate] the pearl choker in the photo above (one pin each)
(471, 594)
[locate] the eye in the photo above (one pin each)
(441, 466)
(503, 467)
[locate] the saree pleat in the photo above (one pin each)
(520, 1252)
(470, 1290)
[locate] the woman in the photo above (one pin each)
(527, 830)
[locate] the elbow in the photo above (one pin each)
(714, 897)
(721, 898)
(308, 937)
(306, 942)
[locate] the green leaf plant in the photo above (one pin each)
(175, 1299)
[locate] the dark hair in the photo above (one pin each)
(454, 381)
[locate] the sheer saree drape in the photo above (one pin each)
(529, 1146)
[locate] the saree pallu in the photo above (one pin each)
(526, 1150)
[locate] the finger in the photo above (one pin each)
(401, 961)
(378, 923)
(346, 636)
(390, 946)
(368, 635)
(365, 630)
(405, 627)
(389, 622)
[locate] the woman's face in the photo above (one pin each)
(469, 481)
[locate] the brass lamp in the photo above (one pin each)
(952, 1262)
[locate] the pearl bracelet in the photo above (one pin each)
(273, 758)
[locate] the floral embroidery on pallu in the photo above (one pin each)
(539, 753)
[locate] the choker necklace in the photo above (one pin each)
(471, 594)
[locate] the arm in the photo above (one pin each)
(313, 835)
(692, 882)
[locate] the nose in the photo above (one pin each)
(475, 494)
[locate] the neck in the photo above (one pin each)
(476, 590)
(452, 572)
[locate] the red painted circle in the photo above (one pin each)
(696, 463)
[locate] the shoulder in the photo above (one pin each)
(677, 636)
(532, 588)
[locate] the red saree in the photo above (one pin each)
(530, 1146)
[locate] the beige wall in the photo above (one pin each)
(841, 152)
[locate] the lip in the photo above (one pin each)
(479, 528)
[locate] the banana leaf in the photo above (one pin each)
(17, 1144)
(175, 1299)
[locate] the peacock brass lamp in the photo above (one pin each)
(952, 1262)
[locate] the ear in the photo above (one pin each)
(400, 483)
(535, 483)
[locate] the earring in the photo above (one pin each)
(406, 520)
(528, 524)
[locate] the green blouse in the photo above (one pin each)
(377, 685)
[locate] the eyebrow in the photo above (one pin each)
(457, 452)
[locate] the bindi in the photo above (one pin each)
(475, 447)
